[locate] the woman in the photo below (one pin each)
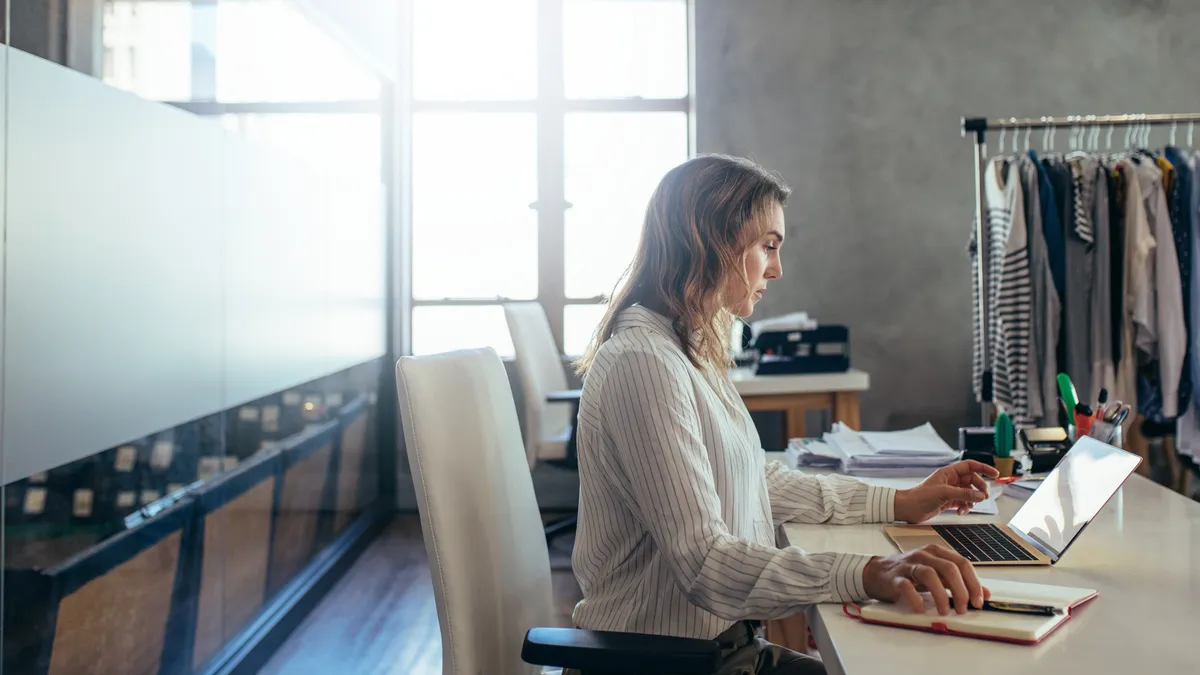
(678, 508)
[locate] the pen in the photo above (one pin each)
(1016, 607)
(1120, 417)
(1111, 410)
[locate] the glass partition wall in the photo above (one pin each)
(194, 345)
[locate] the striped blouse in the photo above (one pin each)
(678, 507)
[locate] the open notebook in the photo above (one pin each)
(1003, 626)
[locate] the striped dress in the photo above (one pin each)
(1009, 302)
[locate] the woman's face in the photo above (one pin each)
(761, 263)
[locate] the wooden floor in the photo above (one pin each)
(381, 619)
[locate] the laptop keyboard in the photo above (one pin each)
(982, 543)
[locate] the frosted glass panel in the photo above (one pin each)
(161, 268)
(97, 329)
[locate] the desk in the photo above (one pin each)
(1142, 553)
(795, 395)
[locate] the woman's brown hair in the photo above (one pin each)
(702, 217)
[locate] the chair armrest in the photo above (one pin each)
(604, 652)
(564, 396)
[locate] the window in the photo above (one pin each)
(540, 129)
(262, 66)
(230, 51)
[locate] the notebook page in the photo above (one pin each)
(1038, 594)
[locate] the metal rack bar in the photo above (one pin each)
(979, 125)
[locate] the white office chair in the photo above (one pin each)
(482, 530)
(540, 367)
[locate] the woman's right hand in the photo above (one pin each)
(931, 568)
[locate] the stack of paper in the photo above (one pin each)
(793, 321)
(913, 452)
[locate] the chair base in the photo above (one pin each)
(560, 527)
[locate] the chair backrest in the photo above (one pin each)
(540, 368)
(479, 517)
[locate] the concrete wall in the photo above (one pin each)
(858, 103)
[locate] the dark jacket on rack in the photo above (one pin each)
(1180, 201)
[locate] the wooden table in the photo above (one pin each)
(1142, 553)
(795, 395)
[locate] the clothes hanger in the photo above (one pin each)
(1079, 138)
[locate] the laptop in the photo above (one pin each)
(1050, 520)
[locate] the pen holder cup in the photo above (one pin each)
(1108, 432)
(1004, 465)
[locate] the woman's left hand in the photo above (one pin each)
(957, 486)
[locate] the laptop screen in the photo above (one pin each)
(1074, 493)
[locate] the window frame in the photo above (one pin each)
(550, 107)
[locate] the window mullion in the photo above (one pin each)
(551, 204)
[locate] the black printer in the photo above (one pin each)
(820, 349)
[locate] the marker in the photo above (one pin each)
(1083, 419)
(1066, 389)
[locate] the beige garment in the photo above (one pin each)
(1168, 342)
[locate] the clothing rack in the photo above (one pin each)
(979, 126)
